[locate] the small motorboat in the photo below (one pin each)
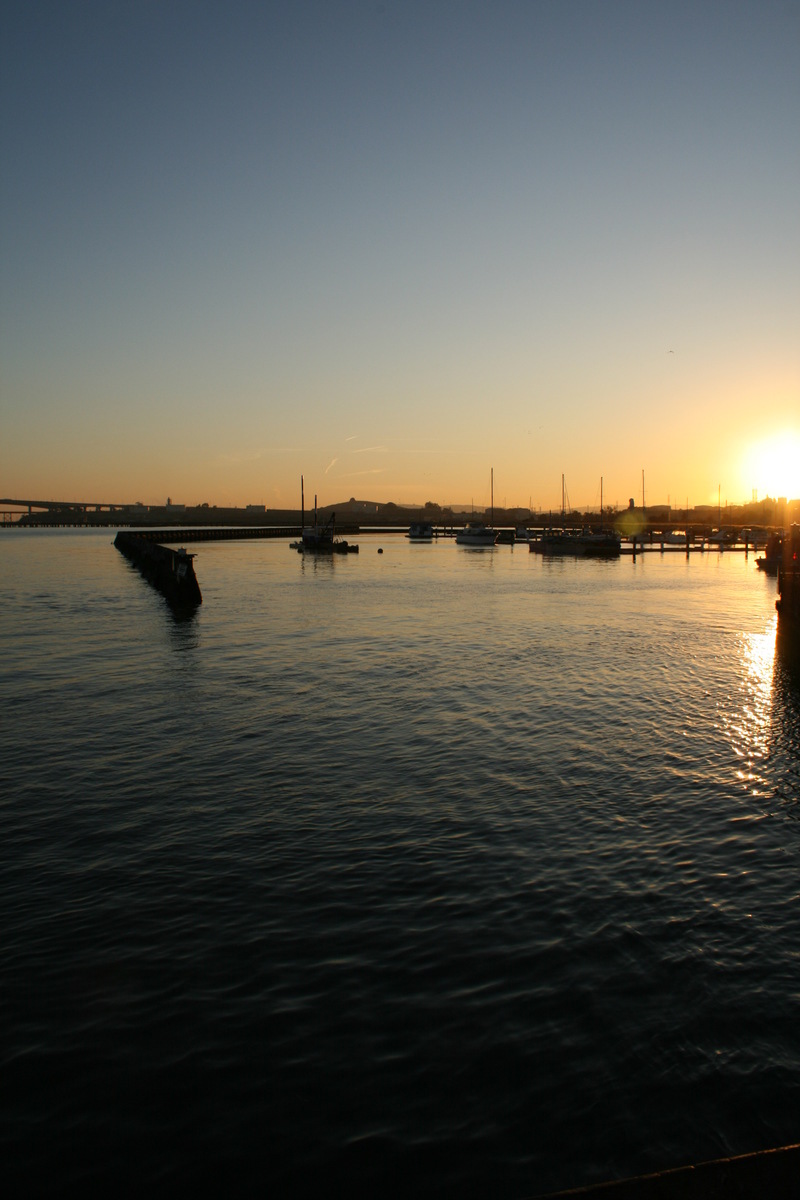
(477, 535)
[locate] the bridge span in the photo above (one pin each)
(62, 506)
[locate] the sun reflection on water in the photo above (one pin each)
(750, 727)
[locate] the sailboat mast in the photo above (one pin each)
(491, 523)
(302, 507)
(601, 499)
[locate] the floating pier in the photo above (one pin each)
(171, 571)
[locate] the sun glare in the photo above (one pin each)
(773, 466)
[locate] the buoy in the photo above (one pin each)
(380, 550)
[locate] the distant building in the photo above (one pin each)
(259, 508)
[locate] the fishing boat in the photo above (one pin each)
(317, 538)
(420, 531)
(322, 539)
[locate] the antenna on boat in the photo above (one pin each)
(491, 523)
(302, 508)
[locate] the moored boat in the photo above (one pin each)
(420, 531)
(770, 560)
(583, 543)
(477, 535)
(319, 539)
(788, 602)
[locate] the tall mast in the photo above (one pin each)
(601, 499)
(491, 523)
(302, 507)
(563, 497)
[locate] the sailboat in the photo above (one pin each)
(585, 543)
(476, 534)
(602, 542)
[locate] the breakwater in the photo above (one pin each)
(218, 533)
(171, 571)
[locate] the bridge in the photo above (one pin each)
(10, 508)
(61, 505)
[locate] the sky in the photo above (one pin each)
(394, 247)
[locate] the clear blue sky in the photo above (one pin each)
(392, 245)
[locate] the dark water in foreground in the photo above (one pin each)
(438, 871)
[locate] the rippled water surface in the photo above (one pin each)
(460, 872)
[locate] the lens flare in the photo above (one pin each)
(773, 465)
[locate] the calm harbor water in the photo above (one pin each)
(441, 871)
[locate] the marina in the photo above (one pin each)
(172, 571)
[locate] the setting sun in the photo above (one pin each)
(772, 465)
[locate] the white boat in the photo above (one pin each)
(675, 537)
(476, 534)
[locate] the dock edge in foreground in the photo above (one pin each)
(773, 1174)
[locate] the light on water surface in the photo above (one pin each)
(750, 730)
(480, 868)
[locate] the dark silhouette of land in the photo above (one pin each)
(365, 514)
